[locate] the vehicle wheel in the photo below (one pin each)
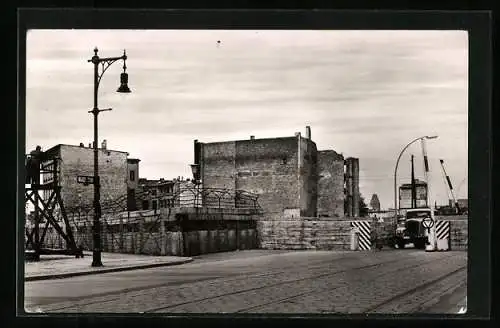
(420, 244)
(401, 244)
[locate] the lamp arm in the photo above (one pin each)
(396, 171)
(105, 65)
(106, 62)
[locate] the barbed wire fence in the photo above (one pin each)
(141, 231)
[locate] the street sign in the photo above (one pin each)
(85, 179)
(428, 223)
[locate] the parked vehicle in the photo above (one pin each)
(411, 230)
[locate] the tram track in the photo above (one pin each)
(251, 291)
(289, 282)
(399, 305)
(295, 269)
(421, 296)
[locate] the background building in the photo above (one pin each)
(291, 177)
(463, 203)
(154, 194)
(375, 203)
(79, 160)
(352, 195)
(132, 182)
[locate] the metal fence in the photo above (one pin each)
(140, 231)
(189, 196)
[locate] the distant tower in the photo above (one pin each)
(375, 203)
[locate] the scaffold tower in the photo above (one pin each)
(48, 209)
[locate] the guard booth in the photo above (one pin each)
(43, 194)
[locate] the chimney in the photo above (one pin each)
(90, 145)
(104, 144)
(297, 134)
(308, 132)
(252, 137)
(196, 152)
(81, 144)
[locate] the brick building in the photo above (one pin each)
(291, 177)
(114, 173)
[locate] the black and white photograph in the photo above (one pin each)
(246, 171)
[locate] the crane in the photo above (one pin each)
(450, 186)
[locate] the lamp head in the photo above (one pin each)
(431, 137)
(124, 84)
(195, 168)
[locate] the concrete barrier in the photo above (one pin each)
(459, 234)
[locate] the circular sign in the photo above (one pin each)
(428, 223)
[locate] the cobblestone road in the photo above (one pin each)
(395, 281)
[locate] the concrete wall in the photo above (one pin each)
(80, 161)
(459, 234)
(383, 230)
(219, 237)
(330, 184)
(316, 233)
(179, 233)
(304, 233)
(213, 231)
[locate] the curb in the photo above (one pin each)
(83, 273)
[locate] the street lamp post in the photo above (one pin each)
(195, 169)
(396, 171)
(105, 63)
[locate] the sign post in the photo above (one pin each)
(428, 223)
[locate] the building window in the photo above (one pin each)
(132, 175)
(155, 205)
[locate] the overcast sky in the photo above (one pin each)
(365, 94)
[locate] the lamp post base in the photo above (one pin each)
(96, 261)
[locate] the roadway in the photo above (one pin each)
(259, 281)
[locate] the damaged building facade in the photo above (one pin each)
(77, 161)
(291, 176)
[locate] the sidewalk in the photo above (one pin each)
(59, 266)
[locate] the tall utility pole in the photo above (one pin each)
(413, 186)
(105, 62)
